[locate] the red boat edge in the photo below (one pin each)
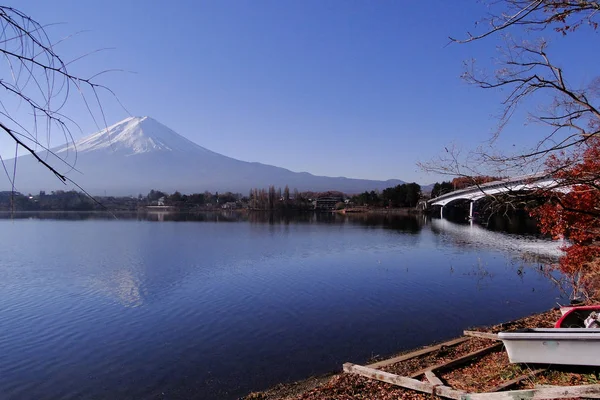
(575, 316)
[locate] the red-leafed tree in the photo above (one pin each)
(532, 79)
(574, 213)
(537, 80)
(462, 182)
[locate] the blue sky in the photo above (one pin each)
(362, 89)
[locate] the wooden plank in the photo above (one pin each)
(418, 353)
(516, 380)
(448, 392)
(389, 378)
(403, 381)
(468, 357)
(483, 335)
(458, 361)
(432, 378)
(556, 392)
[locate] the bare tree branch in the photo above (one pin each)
(39, 79)
(529, 75)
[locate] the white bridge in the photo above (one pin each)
(474, 193)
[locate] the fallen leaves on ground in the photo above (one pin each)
(445, 354)
(564, 376)
(480, 375)
(484, 374)
(347, 386)
(543, 320)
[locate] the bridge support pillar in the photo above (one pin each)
(442, 212)
(471, 210)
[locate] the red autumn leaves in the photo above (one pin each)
(575, 214)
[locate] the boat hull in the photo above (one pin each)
(565, 346)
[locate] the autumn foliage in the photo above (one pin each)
(467, 181)
(573, 212)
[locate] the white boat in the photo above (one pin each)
(568, 346)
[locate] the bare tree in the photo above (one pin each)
(538, 81)
(561, 15)
(531, 77)
(37, 82)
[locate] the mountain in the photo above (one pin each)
(139, 154)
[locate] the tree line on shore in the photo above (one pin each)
(405, 195)
(271, 198)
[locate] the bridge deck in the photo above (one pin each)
(474, 193)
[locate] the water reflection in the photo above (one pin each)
(399, 222)
(528, 247)
(462, 235)
(517, 222)
(137, 308)
(122, 285)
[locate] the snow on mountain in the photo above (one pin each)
(139, 154)
(134, 135)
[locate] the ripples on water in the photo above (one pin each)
(97, 308)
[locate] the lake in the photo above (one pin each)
(174, 306)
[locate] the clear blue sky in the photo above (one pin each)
(361, 89)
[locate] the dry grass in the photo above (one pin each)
(564, 376)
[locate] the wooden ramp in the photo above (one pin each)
(435, 386)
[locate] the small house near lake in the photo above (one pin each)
(327, 203)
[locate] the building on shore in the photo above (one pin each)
(326, 203)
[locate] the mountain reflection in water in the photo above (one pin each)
(214, 305)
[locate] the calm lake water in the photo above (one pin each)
(214, 306)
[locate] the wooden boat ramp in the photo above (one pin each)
(472, 367)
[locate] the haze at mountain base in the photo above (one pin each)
(139, 154)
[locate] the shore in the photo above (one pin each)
(486, 373)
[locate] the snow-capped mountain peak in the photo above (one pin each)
(139, 154)
(134, 135)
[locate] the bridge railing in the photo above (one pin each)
(492, 185)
